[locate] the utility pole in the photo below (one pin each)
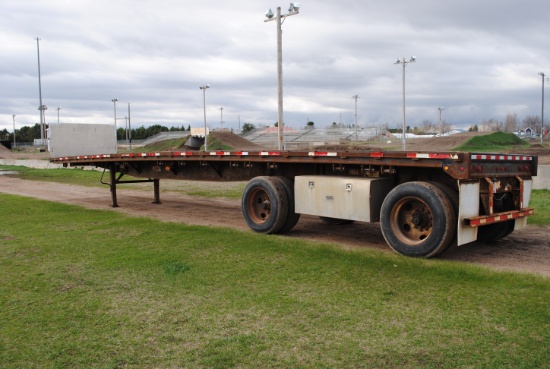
(404, 63)
(355, 97)
(542, 113)
(440, 120)
(14, 144)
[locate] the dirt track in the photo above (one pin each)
(526, 251)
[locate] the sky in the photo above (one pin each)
(478, 60)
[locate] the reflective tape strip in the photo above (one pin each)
(322, 153)
(501, 157)
(270, 153)
(489, 219)
(413, 155)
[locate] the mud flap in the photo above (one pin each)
(468, 207)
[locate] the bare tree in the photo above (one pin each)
(511, 122)
(533, 122)
(447, 127)
(429, 127)
(491, 125)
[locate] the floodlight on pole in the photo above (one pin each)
(292, 10)
(114, 105)
(355, 97)
(542, 112)
(404, 63)
(41, 107)
(203, 88)
(129, 126)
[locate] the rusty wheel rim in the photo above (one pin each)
(411, 221)
(259, 206)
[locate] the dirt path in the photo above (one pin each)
(525, 251)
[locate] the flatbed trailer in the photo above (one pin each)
(424, 201)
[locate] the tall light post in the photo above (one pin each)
(542, 113)
(292, 10)
(58, 109)
(114, 105)
(203, 88)
(41, 107)
(129, 127)
(355, 97)
(404, 63)
(221, 118)
(440, 120)
(14, 144)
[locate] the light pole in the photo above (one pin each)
(404, 63)
(355, 97)
(114, 106)
(41, 107)
(440, 120)
(14, 144)
(221, 119)
(292, 10)
(203, 88)
(58, 109)
(129, 127)
(542, 113)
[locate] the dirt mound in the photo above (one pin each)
(236, 142)
(4, 151)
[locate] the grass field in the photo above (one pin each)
(91, 178)
(97, 289)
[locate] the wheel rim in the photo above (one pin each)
(259, 206)
(411, 221)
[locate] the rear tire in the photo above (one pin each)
(496, 231)
(417, 219)
(455, 202)
(291, 216)
(264, 205)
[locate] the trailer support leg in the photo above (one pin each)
(113, 186)
(156, 190)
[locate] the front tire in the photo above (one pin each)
(417, 219)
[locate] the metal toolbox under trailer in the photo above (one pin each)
(350, 198)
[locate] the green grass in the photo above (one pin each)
(540, 200)
(494, 142)
(98, 289)
(68, 176)
(230, 190)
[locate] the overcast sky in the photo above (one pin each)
(476, 59)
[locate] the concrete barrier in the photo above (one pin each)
(542, 180)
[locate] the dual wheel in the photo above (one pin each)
(419, 218)
(268, 205)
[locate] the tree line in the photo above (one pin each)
(30, 133)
